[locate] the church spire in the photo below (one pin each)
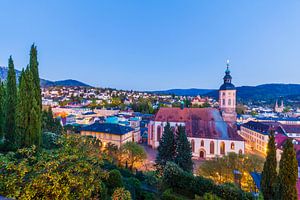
(227, 78)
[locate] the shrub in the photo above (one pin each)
(133, 185)
(169, 195)
(49, 140)
(210, 196)
(114, 180)
(121, 194)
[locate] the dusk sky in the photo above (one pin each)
(155, 44)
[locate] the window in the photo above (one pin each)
(212, 147)
(202, 143)
(222, 148)
(240, 152)
(223, 102)
(229, 102)
(158, 134)
(193, 145)
(232, 146)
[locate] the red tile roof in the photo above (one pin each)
(200, 122)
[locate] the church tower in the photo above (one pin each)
(227, 98)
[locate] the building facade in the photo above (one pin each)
(111, 133)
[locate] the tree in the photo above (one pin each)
(166, 148)
(114, 180)
(49, 123)
(288, 173)
(132, 154)
(269, 174)
(10, 105)
(2, 98)
(121, 194)
(183, 151)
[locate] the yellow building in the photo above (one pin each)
(111, 133)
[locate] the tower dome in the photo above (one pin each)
(227, 85)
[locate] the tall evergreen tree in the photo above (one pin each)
(10, 104)
(288, 173)
(166, 148)
(269, 174)
(183, 151)
(2, 98)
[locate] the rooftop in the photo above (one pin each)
(107, 128)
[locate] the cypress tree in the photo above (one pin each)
(36, 102)
(288, 173)
(2, 98)
(183, 151)
(10, 105)
(269, 174)
(166, 148)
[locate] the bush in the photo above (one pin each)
(114, 180)
(49, 140)
(134, 187)
(169, 195)
(189, 185)
(210, 196)
(121, 194)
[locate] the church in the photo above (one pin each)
(212, 132)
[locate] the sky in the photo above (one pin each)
(155, 44)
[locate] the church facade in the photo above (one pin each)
(211, 132)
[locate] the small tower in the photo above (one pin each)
(227, 98)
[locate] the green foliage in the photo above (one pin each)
(50, 140)
(143, 106)
(210, 196)
(220, 169)
(269, 174)
(183, 156)
(288, 173)
(2, 110)
(166, 149)
(114, 180)
(121, 194)
(70, 172)
(133, 185)
(185, 183)
(50, 124)
(169, 195)
(10, 106)
(132, 155)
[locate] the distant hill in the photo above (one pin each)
(44, 82)
(247, 93)
(184, 92)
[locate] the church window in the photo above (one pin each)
(193, 145)
(232, 146)
(212, 147)
(223, 102)
(158, 134)
(229, 102)
(202, 143)
(222, 148)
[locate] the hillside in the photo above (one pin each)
(184, 92)
(44, 82)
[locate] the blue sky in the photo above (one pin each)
(155, 44)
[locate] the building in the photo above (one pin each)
(198, 101)
(256, 134)
(111, 133)
(210, 133)
(279, 109)
(227, 98)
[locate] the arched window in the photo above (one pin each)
(223, 102)
(240, 151)
(212, 147)
(222, 148)
(202, 143)
(229, 102)
(158, 134)
(193, 145)
(232, 146)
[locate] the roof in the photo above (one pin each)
(256, 178)
(107, 128)
(200, 122)
(258, 127)
(227, 86)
